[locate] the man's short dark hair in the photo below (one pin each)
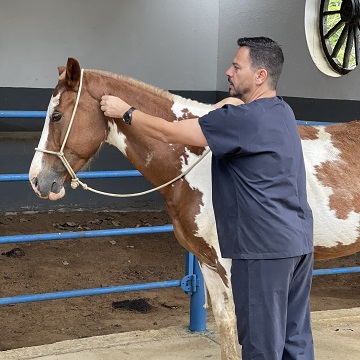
(264, 53)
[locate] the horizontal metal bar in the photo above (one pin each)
(42, 114)
(335, 271)
(85, 234)
(81, 175)
(22, 114)
(88, 292)
(315, 123)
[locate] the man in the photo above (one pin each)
(263, 220)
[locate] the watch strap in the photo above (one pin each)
(127, 117)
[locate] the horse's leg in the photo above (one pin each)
(223, 309)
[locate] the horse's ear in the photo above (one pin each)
(73, 73)
(61, 70)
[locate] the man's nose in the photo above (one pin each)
(228, 72)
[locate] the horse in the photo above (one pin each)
(75, 128)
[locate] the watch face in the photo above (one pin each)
(128, 115)
(126, 118)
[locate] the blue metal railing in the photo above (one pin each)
(192, 283)
(81, 175)
(9, 114)
(336, 271)
(84, 234)
(88, 292)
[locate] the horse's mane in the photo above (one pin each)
(150, 88)
(138, 83)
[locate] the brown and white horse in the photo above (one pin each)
(331, 156)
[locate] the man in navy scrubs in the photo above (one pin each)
(263, 219)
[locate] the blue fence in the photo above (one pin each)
(192, 283)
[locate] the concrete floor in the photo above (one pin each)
(336, 337)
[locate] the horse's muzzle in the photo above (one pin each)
(46, 188)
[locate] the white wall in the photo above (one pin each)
(168, 43)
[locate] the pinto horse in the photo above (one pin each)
(75, 125)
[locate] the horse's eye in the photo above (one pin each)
(56, 116)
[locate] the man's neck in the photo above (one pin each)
(259, 94)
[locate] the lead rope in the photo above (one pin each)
(75, 182)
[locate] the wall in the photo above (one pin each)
(282, 21)
(312, 94)
(185, 45)
(163, 42)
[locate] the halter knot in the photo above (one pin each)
(75, 183)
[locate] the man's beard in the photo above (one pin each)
(236, 92)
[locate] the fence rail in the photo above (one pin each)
(81, 175)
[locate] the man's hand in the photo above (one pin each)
(113, 106)
(228, 101)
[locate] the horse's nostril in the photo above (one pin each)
(35, 181)
(55, 187)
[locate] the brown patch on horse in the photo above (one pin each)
(338, 174)
(308, 132)
(326, 253)
(186, 114)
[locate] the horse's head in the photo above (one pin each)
(47, 172)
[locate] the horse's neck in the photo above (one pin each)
(157, 161)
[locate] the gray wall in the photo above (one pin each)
(178, 45)
(283, 21)
(169, 43)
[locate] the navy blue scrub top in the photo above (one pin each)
(258, 181)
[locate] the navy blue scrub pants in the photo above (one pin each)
(272, 304)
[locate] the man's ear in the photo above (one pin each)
(73, 73)
(261, 76)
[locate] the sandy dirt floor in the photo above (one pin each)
(77, 264)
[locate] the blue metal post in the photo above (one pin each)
(197, 300)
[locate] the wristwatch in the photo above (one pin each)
(128, 116)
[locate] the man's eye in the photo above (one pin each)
(56, 116)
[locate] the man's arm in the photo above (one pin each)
(187, 132)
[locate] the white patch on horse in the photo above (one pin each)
(199, 178)
(36, 163)
(195, 108)
(116, 138)
(149, 157)
(328, 229)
